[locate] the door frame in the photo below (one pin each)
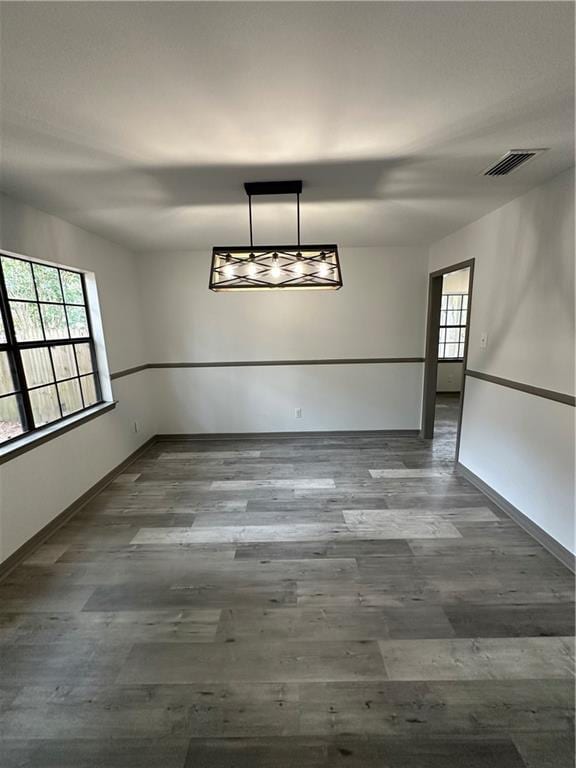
(431, 355)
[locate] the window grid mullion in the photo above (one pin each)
(16, 393)
(45, 340)
(24, 404)
(64, 303)
(459, 311)
(56, 383)
(51, 303)
(78, 377)
(70, 335)
(51, 383)
(53, 342)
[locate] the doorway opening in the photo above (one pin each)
(448, 323)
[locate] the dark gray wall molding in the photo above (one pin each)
(554, 547)
(265, 363)
(547, 394)
(128, 371)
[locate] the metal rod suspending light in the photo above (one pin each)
(298, 216)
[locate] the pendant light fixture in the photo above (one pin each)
(274, 267)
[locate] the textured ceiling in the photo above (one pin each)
(141, 121)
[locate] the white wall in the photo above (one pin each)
(64, 468)
(378, 313)
(449, 377)
(264, 399)
(523, 298)
(456, 282)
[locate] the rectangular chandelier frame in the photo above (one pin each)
(275, 267)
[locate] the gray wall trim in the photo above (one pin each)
(547, 394)
(129, 371)
(289, 435)
(263, 363)
(554, 547)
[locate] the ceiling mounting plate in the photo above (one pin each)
(273, 187)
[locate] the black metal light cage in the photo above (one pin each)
(274, 267)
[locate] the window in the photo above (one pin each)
(47, 358)
(453, 316)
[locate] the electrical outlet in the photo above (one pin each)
(298, 413)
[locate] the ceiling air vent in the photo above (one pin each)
(510, 161)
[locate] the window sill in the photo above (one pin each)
(30, 441)
(450, 359)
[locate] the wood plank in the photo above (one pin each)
(254, 661)
(538, 658)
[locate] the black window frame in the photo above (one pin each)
(14, 348)
(461, 325)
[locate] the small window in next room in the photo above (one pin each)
(48, 368)
(453, 315)
(452, 326)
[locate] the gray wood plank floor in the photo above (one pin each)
(289, 603)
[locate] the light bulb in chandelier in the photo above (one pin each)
(228, 269)
(252, 265)
(275, 271)
(323, 270)
(299, 266)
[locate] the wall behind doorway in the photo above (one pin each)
(449, 376)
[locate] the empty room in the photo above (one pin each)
(287, 384)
